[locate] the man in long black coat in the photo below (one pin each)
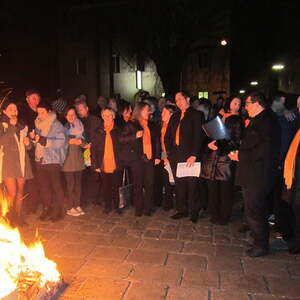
(186, 149)
(256, 171)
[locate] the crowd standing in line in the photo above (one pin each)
(64, 158)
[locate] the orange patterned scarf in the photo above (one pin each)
(109, 162)
(290, 161)
(147, 146)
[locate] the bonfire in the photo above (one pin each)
(25, 272)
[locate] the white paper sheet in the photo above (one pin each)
(169, 170)
(184, 171)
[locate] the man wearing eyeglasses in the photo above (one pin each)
(258, 161)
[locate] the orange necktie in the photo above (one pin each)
(147, 146)
(178, 129)
(109, 163)
(290, 161)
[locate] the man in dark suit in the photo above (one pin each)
(184, 140)
(258, 159)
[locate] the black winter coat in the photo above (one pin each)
(132, 148)
(259, 152)
(216, 165)
(192, 136)
(98, 144)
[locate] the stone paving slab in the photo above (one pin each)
(127, 258)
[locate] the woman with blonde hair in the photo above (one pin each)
(106, 159)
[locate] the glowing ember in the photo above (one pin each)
(22, 264)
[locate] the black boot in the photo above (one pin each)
(46, 214)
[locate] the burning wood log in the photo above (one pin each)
(34, 292)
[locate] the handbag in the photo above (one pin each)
(125, 191)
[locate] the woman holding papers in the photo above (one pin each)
(141, 151)
(218, 169)
(14, 160)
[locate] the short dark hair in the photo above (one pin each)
(258, 97)
(228, 102)
(171, 108)
(5, 104)
(124, 105)
(137, 110)
(45, 105)
(185, 94)
(66, 110)
(31, 92)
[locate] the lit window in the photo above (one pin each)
(203, 95)
(138, 79)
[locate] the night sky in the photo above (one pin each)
(262, 32)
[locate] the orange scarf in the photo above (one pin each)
(177, 136)
(147, 146)
(225, 115)
(247, 122)
(109, 163)
(162, 136)
(290, 161)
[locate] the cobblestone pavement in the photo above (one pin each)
(123, 257)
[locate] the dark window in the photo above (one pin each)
(203, 59)
(80, 66)
(115, 60)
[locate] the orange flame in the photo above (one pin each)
(17, 258)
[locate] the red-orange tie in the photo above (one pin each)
(177, 136)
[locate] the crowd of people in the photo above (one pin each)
(62, 158)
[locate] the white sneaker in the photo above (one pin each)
(73, 212)
(78, 208)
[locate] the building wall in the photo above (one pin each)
(211, 76)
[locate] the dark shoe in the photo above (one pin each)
(214, 221)
(46, 214)
(257, 252)
(107, 211)
(119, 211)
(179, 216)
(56, 218)
(167, 208)
(194, 217)
(294, 250)
(244, 228)
(138, 214)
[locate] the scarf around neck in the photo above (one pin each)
(43, 128)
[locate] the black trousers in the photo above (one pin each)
(91, 183)
(110, 188)
(142, 179)
(31, 202)
(161, 182)
(257, 205)
(203, 193)
(220, 195)
(186, 191)
(52, 194)
(73, 183)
